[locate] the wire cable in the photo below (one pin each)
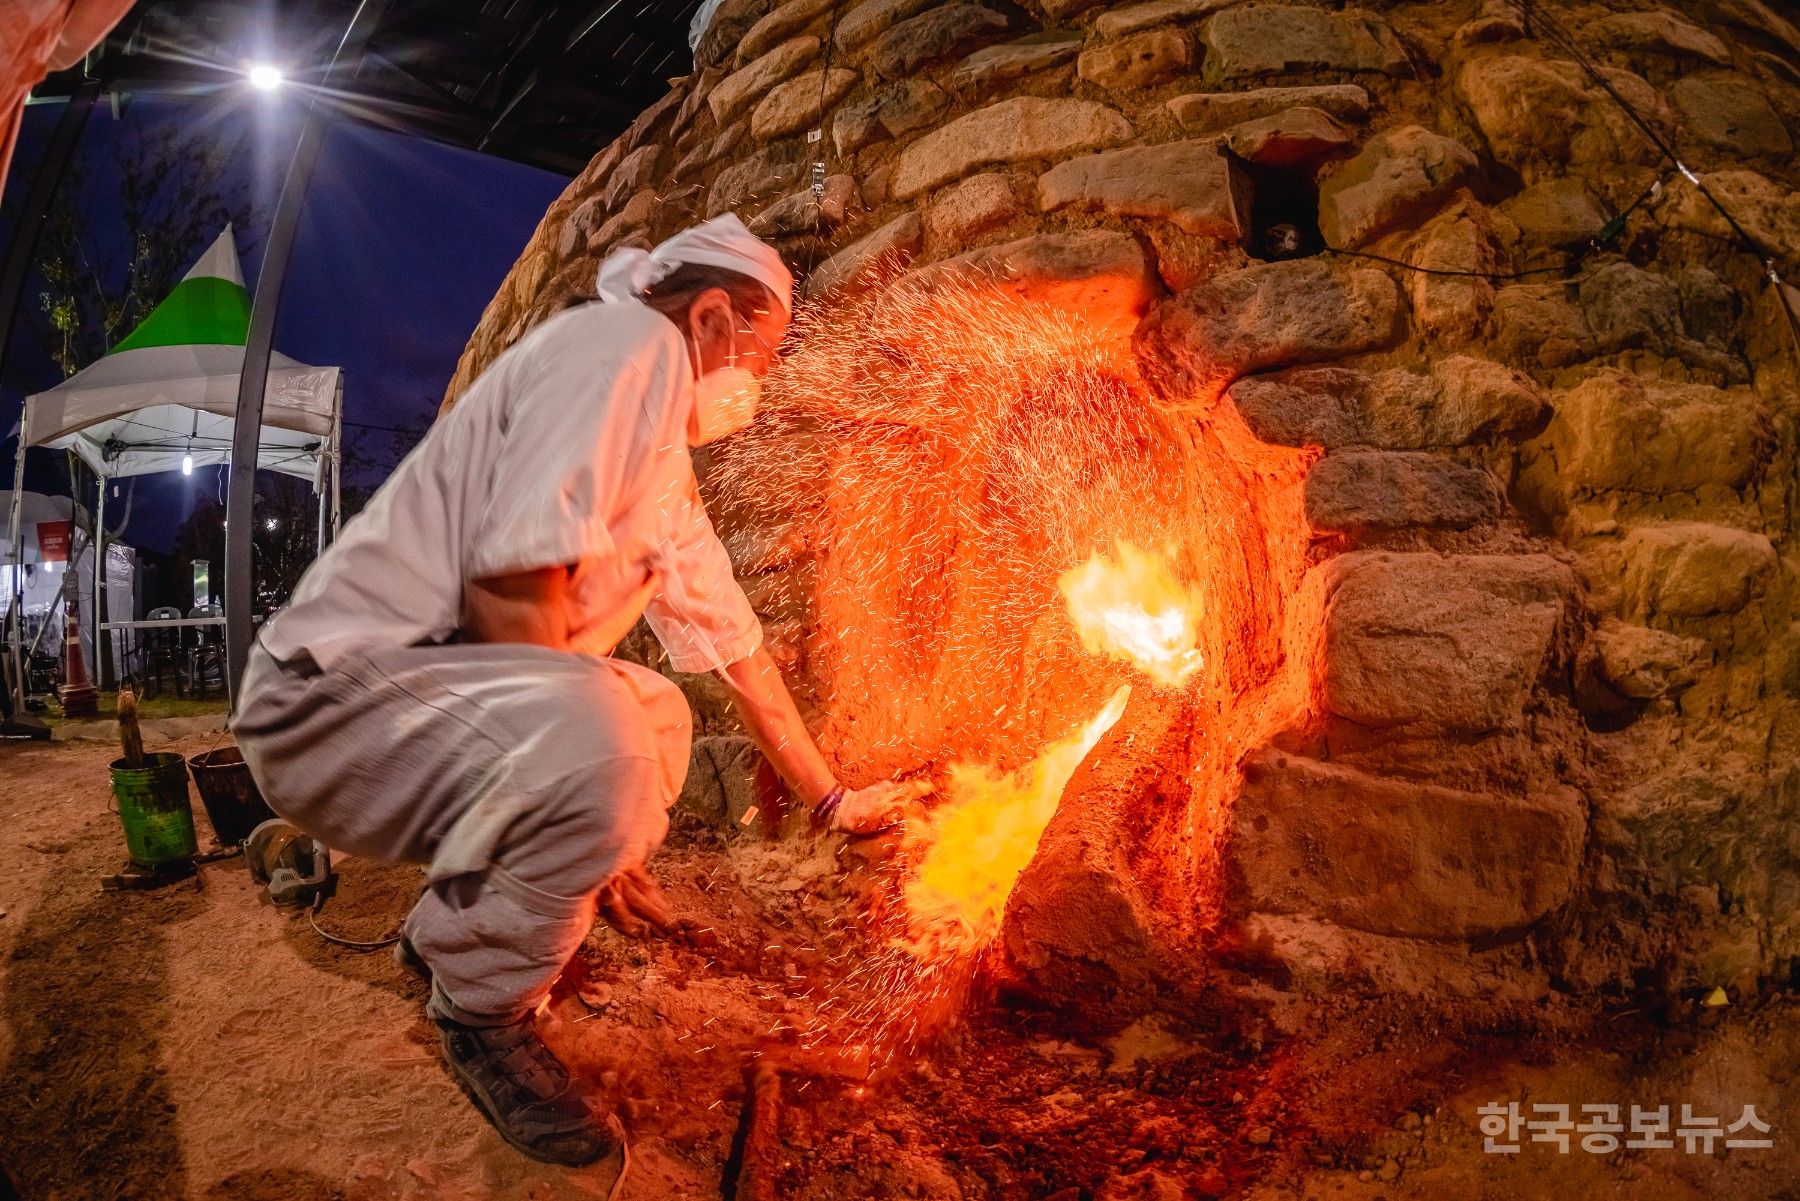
(1609, 233)
(1527, 10)
(347, 943)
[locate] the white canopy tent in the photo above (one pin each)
(164, 399)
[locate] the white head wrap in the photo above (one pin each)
(722, 242)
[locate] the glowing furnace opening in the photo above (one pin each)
(978, 488)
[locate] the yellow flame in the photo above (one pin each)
(1132, 608)
(983, 836)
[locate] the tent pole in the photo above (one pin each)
(17, 631)
(253, 380)
(337, 455)
(98, 542)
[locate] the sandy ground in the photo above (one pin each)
(193, 1042)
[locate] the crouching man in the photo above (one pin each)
(440, 689)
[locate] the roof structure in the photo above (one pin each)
(544, 84)
(166, 396)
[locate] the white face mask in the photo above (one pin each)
(724, 399)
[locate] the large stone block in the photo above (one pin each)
(1140, 61)
(1369, 491)
(872, 18)
(1296, 137)
(1015, 130)
(1397, 858)
(734, 94)
(1100, 276)
(1694, 569)
(1658, 31)
(1767, 211)
(1557, 212)
(803, 213)
(721, 785)
(730, 22)
(1210, 112)
(1278, 39)
(635, 171)
(1191, 185)
(1451, 302)
(1399, 175)
(948, 31)
(889, 112)
(1451, 643)
(1192, 346)
(1538, 113)
(1643, 663)
(1015, 59)
(888, 249)
(779, 25)
(975, 205)
(1617, 431)
(1731, 113)
(1463, 400)
(1536, 326)
(1130, 18)
(768, 173)
(800, 102)
(1628, 308)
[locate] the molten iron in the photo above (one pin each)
(973, 847)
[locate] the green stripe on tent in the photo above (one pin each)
(204, 310)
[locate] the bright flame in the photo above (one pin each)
(983, 836)
(1133, 609)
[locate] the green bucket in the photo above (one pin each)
(154, 808)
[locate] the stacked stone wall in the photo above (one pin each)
(1553, 508)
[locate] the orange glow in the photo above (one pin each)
(1132, 608)
(948, 461)
(975, 845)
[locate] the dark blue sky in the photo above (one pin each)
(400, 245)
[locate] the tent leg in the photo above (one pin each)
(319, 533)
(337, 456)
(98, 542)
(17, 631)
(253, 379)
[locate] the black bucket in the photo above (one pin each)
(229, 793)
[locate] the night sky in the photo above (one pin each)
(401, 243)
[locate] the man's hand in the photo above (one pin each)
(878, 806)
(632, 904)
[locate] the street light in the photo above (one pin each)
(265, 78)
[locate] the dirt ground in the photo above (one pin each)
(193, 1042)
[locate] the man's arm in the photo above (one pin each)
(762, 700)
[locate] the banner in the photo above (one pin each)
(53, 541)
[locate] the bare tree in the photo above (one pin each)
(171, 189)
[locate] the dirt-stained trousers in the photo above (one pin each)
(523, 776)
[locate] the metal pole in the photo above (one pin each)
(253, 381)
(16, 631)
(337, 453)
(99, 544)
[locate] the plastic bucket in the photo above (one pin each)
(154, 809)
(229, 793)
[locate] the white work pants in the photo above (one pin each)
(525, 777)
